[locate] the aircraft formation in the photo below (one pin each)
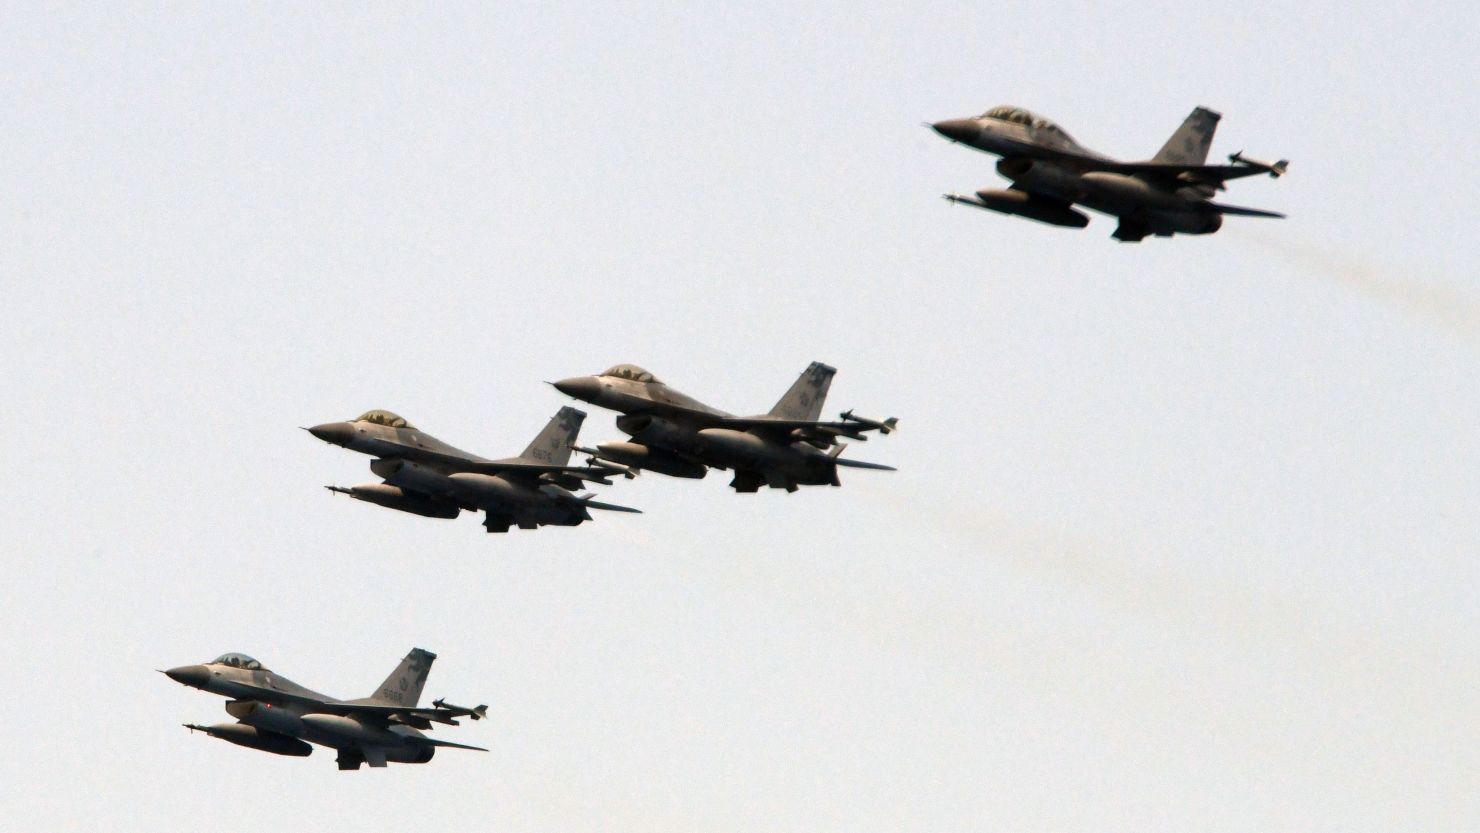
(671, 433)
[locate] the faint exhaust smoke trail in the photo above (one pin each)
(1145, 579)
(1443, 307)
(1291, 627)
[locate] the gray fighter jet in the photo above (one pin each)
(426, 476)
(677, 435)
(275, 714)
(1051, 173)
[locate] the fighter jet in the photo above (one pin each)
(426, 476)
(1051, 173)
(677, 435)
(275, 714)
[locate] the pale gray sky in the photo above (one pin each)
(1184, 535)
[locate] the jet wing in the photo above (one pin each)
(507, 466)
(1239, 168)
(805, 428)
(420, 718)
(595, 474)
(699, 414)
(452, 464)
(818, 433)
(1207, 173)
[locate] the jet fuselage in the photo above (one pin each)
(425, 477)
(275, 708)
(1051, 172)
(676, 434)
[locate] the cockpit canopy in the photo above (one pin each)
(1018, 115)
(630, 371)
(238, 661)
(379, 417)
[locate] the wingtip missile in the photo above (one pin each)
(602, 462)
(884, 426)
(1275, 170)
(477, 712)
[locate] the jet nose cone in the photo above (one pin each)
(957, 130)
(584, 388)
(194, 676)
(338, 433)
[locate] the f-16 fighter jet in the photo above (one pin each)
(1171, 193)
(275, 714)
(426, 476)
(677, 435)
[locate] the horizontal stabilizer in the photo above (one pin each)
(610, 507)
(859, 464)
(449, 744)
(836, 456)
(1244, 212)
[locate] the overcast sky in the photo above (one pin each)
(1184, 534)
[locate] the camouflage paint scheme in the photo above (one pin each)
(675, 434)
(425, 476)
(275, 714)
(1051, 173)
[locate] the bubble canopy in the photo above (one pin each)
(380, 417)
(236, 660)
(630, 371)
(1018, 115)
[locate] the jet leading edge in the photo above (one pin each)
(275, 714)
(674, 434)
(1051, 173)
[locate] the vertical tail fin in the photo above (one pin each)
(403, 686)
(1190, 144)
(552, 445)
(804, 399)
